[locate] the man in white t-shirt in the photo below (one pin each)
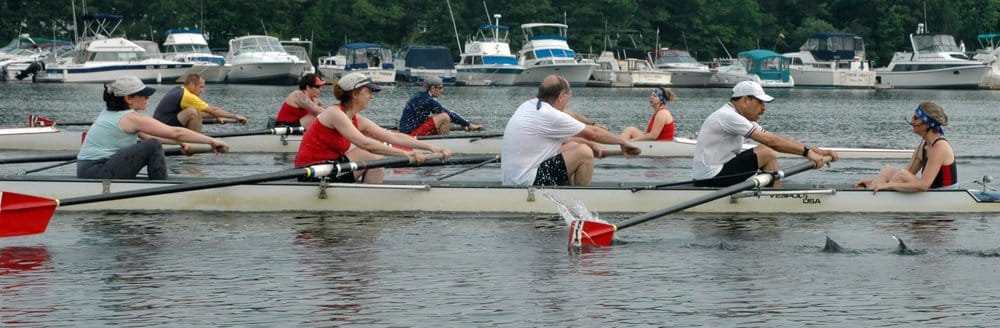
(544, 146)
(719, 159)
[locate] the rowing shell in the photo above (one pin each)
(680, 147)
(407, 197)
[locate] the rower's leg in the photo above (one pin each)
(443, 123)
(369, 175)
(579, 163)
(767, 160)
(632, 133)
(191, 119)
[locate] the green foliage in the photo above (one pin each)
(701, 26)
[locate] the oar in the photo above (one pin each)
(35, 120)
(490, 159)
(72, 156)
(281, 131)
(594, 233)
(22, 214)
(474, 136)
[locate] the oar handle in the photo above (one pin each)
(755, 181)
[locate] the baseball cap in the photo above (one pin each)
(129, 86)
(356, 80)
(751, 88)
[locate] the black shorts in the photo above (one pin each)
(347, 177)
(736, 170)
(552, 172)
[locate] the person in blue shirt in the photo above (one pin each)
(424, 115)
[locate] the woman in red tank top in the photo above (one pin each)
(337, 128)
(934, 159)
(302, 105)
(661, 124)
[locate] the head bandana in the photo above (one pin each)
(930, 121)
(660, 94)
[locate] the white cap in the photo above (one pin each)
(356, 80)
(128, 86)
(751, 88)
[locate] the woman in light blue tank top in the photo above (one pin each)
(121, 141)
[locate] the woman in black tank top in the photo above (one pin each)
(933, 160)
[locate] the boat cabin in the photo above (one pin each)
(766, 64)
(833, 46)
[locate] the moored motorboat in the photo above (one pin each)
(545, 51)
(766, 67)
(190, 46)
(469, 144)
(372, 60)
(414, 63)
(487, 59)
(935, 63)
(260, 59)
(685, 70)
(490, 197)
(832, 59)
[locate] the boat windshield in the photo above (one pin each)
(492, 33)
(675, 56)
(935, 43)
(259, 44)
(189, 48)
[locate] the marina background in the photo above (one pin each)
(188, 268)
(707, 28)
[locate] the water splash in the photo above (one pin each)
(573, 210)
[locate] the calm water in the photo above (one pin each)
(324, 269)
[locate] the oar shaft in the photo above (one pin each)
(759, 180)
(283, 131)
(72, 156)
(462, 135)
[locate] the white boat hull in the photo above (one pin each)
(379, 76)
(491, 198)
(807, 77)
(503, 75)
(212, 73)
(96, 73)
(680, 147)
(577, 74)
(281, 73)
(689, 77)
(634, 78)
(963, 77)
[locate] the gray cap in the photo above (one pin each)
(356, 80)
(432, 81)
(128, 86)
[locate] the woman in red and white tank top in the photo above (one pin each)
(934, 159)
(338, 127)
(661, 124)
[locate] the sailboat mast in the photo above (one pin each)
(455, 27)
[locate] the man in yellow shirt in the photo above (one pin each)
(182, 106)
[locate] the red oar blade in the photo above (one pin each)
(590, 233)
(24, 214)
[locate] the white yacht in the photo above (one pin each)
(627, 66)
(546, 52)
(685, 70)
(766, 67)
(414, 63)
(935, 63)
(260, 59)
(989, 53)
(190, 46)
(99, 58)
(369, 59)
(25, 57)
(302, 49)
(487, 59)
(832, 59)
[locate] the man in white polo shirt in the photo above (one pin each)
(719, 159)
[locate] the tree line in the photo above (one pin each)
(708, 28)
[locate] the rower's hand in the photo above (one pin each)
(630, 149)
(863, 184)
(818, 156)
(474, 127)
(186, 149)
(445, 152)
(219, 146)
(242, 120)
(417, 156)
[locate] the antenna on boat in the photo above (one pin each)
(76, 36)
(724, 48)
(455, 27)
(262, 26)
